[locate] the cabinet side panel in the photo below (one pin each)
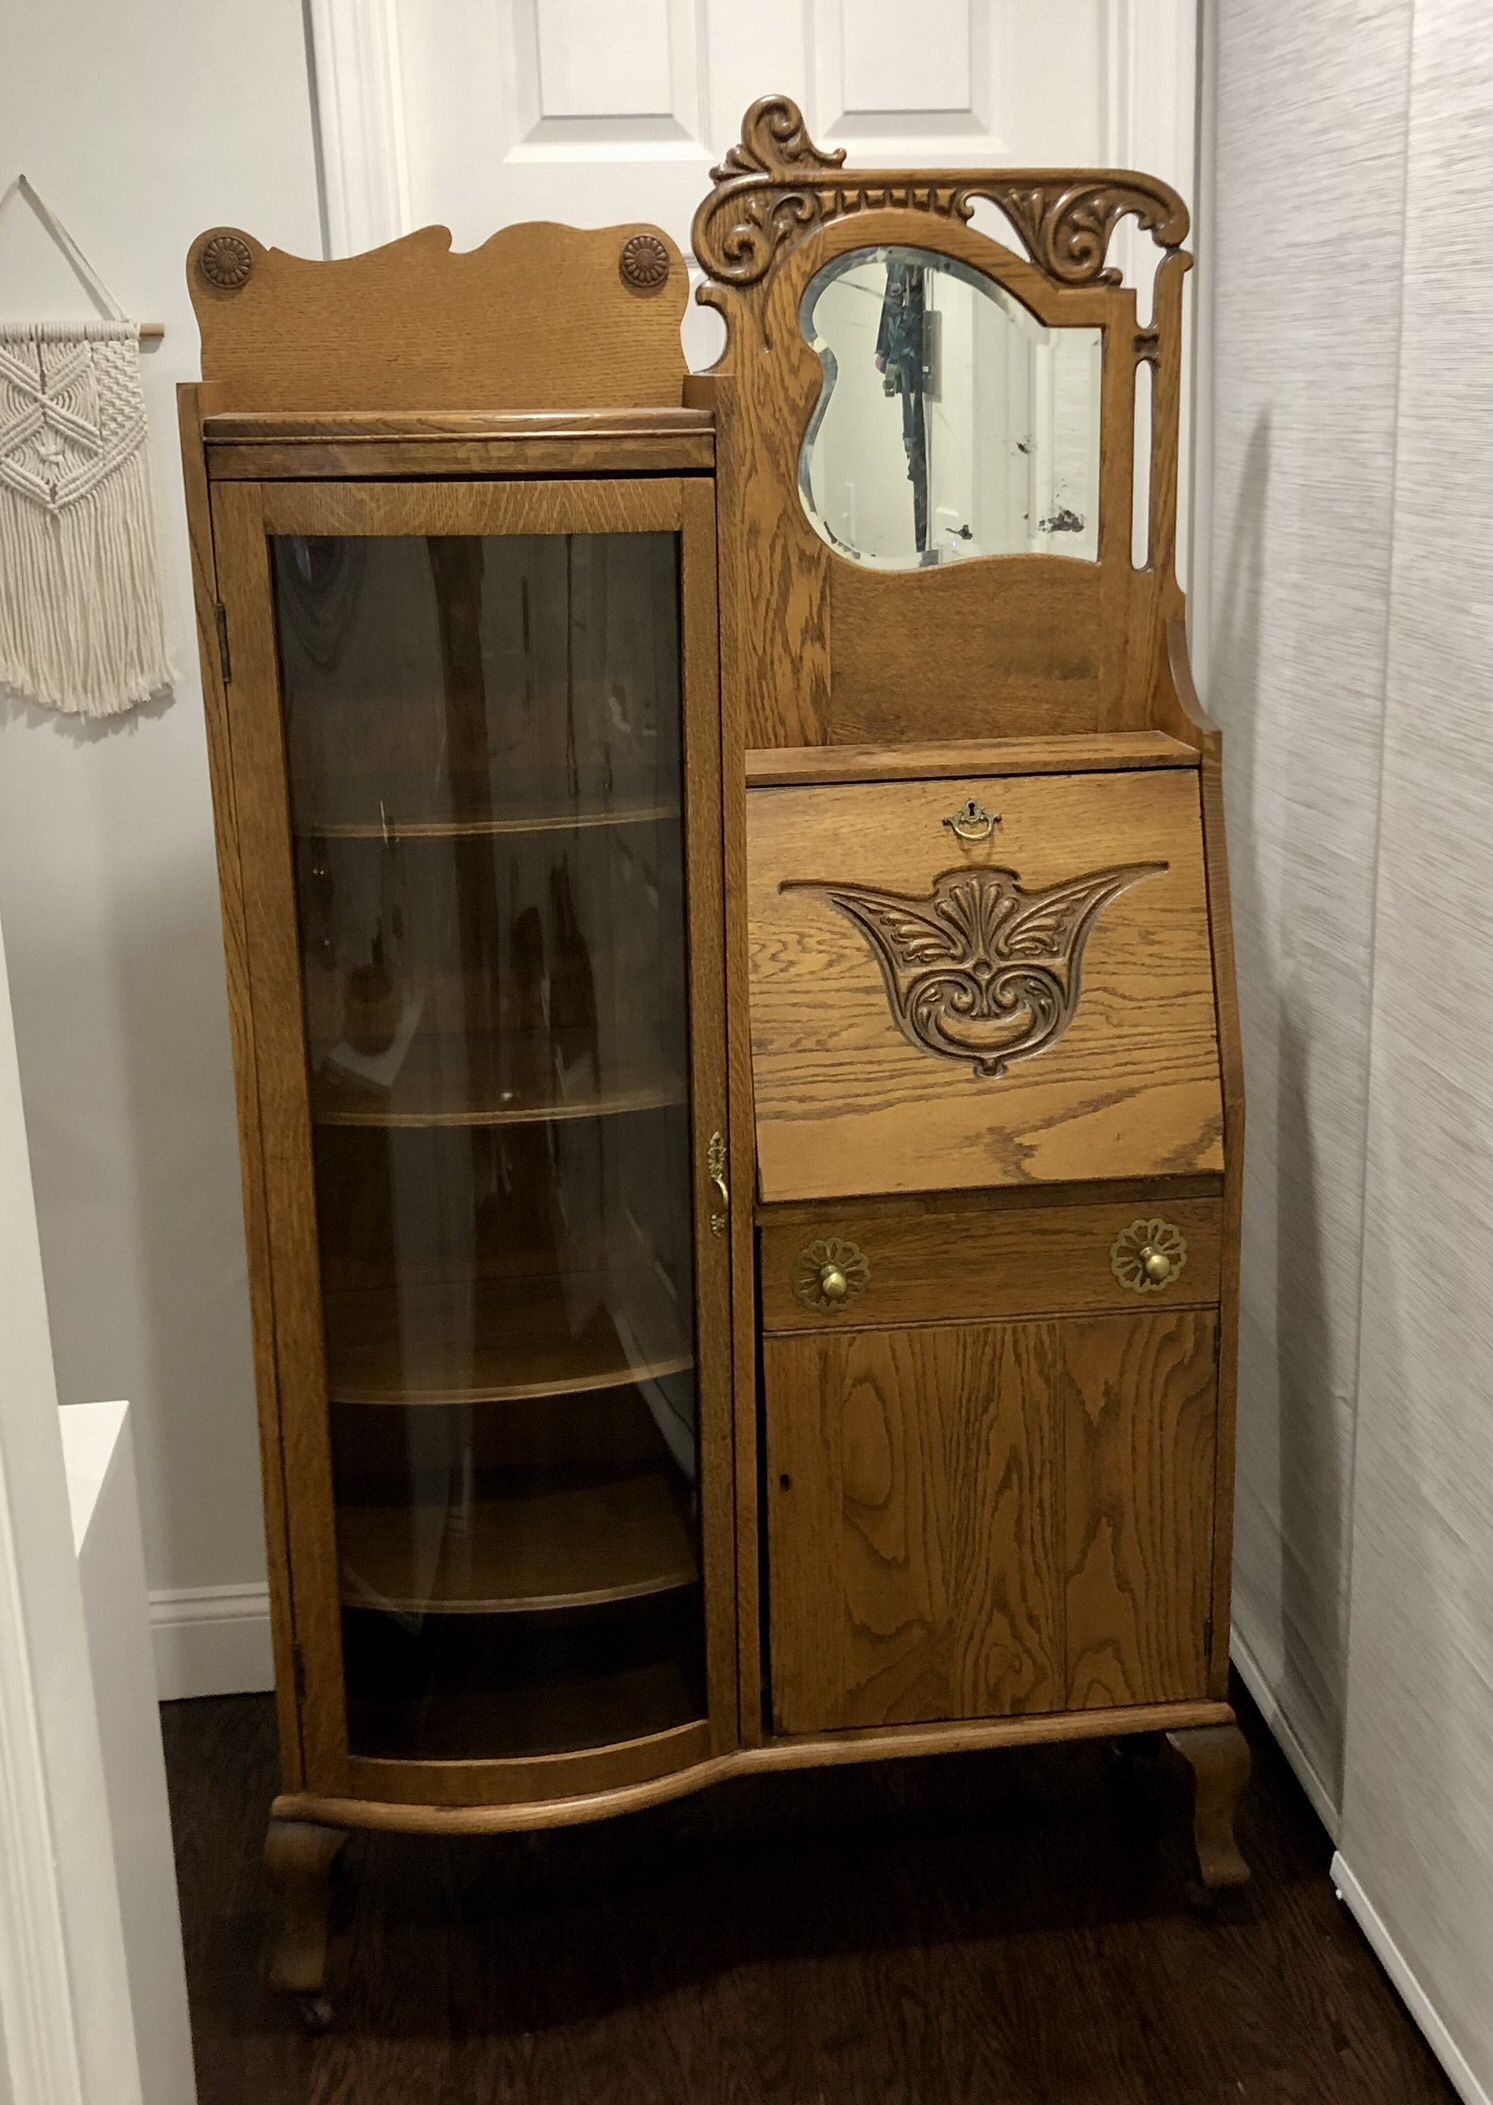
(912, 1479)
(270, 921)
(241, 1027)
(1139, 1403)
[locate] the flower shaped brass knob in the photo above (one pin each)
(1148, 1255)
(830, 1273)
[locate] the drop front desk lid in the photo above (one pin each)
(980, 982)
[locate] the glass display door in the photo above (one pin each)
(481, 862)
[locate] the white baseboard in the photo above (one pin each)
(212, 1641)
(1412, 1994)
(1308, 1775)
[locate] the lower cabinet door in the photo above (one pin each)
(979, 1520)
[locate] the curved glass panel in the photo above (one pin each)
(484, 746)
(952, 422)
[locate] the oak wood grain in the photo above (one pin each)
(358, 427)
(981, 1519)
(1074, 753)
(246, 1077)
(913, 1523)
(713, 1251)
(1139, 1432)
(426, 1796)
(611, 505)
(470, 1799)
(966, 1264)
(283, 1117)
(846, 1105)
(538, 316)
(275, 461)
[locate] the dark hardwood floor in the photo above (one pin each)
(961, 1931)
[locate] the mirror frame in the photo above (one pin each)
(1026, 644)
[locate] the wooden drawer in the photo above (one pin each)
(926, 1264)
(981, 1520)
(932, 1012)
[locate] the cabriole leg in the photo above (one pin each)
(298, 1856)
(1218, 1756)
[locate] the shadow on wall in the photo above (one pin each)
(79, 730)
(116, 958)
(1289, 1477)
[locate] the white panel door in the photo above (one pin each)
(474, 113)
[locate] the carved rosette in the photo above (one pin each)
(982, 970)
(226, 261)
(777, 185)
(644, 263)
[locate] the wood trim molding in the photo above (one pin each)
(359, 99)
(777, 186)
(808, 1751)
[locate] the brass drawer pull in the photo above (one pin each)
(1148, 1255)
(828, 1275)
(972, 822)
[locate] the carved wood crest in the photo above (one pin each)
(981, 969)
(777, 186)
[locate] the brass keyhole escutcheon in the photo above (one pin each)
(1148, 1255)
(830, 1273)
(972, 822)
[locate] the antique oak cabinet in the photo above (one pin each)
(728, 941)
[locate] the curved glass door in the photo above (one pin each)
(484, 751)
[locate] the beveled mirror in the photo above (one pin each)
(951, 423)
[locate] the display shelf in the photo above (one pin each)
(453, 1686)
(489, 1339)
(534, 1718)
(475, 1081)
(486, 824)
(551, 1547)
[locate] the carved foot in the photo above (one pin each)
(1218, 1756)
(298, 1856)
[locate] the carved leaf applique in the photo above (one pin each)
(982, 970)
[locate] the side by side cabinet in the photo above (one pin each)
(729, 962)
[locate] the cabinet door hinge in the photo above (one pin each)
(220, 619)
(298, 1660)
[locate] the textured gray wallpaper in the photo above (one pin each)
(1304, 253)
(1418, 1804)
(1351, 663)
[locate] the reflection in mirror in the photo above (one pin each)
(951, 423)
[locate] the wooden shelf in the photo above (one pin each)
(462, 1082)
(487, 825)
(552, 1548)
(510, 1723)
(501, 1338)
(1079, 752)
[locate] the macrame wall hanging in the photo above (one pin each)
(81, 622)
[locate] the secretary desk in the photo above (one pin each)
(732, 992)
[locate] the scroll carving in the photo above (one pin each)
(777, 185)
(982, 970)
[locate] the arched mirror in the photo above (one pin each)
(952, 422)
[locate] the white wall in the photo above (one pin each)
(68, 2025)
(142, 122)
